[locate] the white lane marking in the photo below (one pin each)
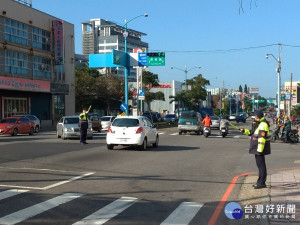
(161, 133)
(10, 193)
(49, 186)
(174, 134)
(34, 210)
(67, 181)
(183, 214)
(236, 136)
(108, 212)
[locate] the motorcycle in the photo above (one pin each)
(206, 131)
(279, 134)
(224, 131)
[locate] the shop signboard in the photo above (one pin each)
(58, 34)
(58, 88)
(20, 84)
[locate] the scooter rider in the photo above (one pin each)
(224, 123)
(287, 128)
(207, 121)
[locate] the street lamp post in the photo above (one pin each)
(278, 70)
(125, 34)
(186, 72)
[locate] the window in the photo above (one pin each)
(59, 73)
(16, 32)
(126, 123)
(41, 39)
(41, 67)
(16, 63)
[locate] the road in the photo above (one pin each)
(45, 180)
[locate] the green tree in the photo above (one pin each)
(197, 91)
(296, 111)
(240, 88)
(180, 98)
(246, 88)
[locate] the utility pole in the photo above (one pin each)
(290, 103)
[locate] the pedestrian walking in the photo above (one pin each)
(259, 146)
(83, 124)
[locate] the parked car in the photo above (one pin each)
(16, 125)
(155, 116)
(241, 118)
(232, 117)
(190, 121)
(170, 118)
(215, 122)
(35, 120)
(132, 131)
(96, 122)
(106, 121)
(68, 127)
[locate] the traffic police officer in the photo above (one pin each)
(83, 124)
(259, 146)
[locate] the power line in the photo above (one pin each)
(225, 50)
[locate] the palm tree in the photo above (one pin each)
(180, 98)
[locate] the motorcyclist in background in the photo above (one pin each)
(224, 123)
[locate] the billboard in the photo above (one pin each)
(20, 84)
(253, 90)
(58, 36)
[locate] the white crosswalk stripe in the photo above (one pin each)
(174, 134)
(183, 214)
(34, 210)
(108, 212)
(10, 193)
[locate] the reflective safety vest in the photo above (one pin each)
(260, 138)
(82, 116)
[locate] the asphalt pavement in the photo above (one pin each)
(46, 180)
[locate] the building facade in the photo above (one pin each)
(101, 36)
(36, 62)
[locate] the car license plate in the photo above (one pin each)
(223, 130)
(188, 123)
(206, 131)
(123, 140)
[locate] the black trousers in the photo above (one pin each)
(83, 134)
(262, 169)
(286, 135)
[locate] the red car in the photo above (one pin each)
(16, 125)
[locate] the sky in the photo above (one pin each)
(191, 31)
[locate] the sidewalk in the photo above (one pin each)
(285, 191)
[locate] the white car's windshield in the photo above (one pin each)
(126, 122)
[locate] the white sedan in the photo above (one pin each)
(132, 131)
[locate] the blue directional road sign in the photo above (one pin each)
(143, 59)
(124, 107)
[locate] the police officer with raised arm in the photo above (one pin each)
(83, 124)
(259, 146)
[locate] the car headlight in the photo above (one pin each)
(10, 126)
(68, 129)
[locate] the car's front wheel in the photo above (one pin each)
(31, 131)
(155, 145)
(110, 147)
(37, 129)
(15, 132)
(143, 147)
